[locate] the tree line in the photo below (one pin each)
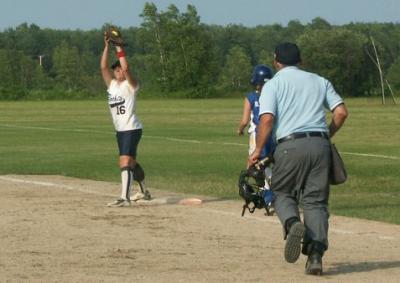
(174, 54)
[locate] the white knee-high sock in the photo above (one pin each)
(126, 182)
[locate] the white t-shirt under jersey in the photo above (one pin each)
(122, 104)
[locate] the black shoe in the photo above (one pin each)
(293, 242)
(314, 264)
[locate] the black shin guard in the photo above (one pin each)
(138, 172)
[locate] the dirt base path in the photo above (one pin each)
(58, 229)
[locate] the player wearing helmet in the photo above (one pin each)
(261, 74)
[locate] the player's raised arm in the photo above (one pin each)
(105, 71)
(124, 66)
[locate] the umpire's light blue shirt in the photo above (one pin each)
(298, 100)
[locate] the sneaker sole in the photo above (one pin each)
(293, 242)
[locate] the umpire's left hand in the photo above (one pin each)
(253, 158)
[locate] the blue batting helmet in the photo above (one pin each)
(261, 74)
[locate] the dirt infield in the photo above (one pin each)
(57, 229)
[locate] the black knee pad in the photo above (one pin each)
(138, 173)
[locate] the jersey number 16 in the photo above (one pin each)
(120, 110)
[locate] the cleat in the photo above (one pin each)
(141, 196)
(147, 195)
(119, 203)
(293, 242)
(270, 210)
(137, 196)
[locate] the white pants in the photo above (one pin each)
(252, 142)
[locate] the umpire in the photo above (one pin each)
(293, 104)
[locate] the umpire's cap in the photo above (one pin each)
(115, 65)
(288, 54)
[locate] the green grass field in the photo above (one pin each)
(191, 146)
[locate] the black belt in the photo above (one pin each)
(303, 135)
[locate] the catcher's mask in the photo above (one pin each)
(249, 189)
(251, 183)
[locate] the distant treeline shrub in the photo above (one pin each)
(173, 54)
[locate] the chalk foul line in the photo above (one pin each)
(370, 155)
(54, 185)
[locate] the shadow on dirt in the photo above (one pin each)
(349, 267)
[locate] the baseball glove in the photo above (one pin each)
(114, 36)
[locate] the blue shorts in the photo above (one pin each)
(128, 142)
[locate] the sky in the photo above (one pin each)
(92, 14)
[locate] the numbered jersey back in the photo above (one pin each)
(122, 104)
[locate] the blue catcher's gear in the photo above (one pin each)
(261, 74)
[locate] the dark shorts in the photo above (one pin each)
(128, 142)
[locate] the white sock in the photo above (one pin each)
(126, 182)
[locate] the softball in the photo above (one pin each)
(115, 33)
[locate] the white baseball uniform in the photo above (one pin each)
(122, 104)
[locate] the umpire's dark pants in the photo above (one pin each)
(302, 168)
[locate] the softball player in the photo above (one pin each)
(261, 74)
(122, 91)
